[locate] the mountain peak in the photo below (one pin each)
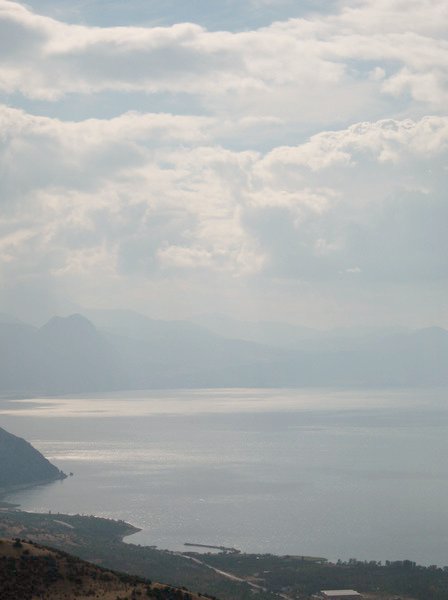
(73, 323)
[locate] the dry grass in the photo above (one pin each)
(31, 572)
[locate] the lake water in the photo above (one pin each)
(327, 473)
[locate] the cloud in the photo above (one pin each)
(303, 159)
(152, 197)
(387, 140)
(288, 69)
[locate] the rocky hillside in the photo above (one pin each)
(21, 464)
(29, 571)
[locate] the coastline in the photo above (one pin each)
(304, 432)
(7, 505)
(225, 575)
(7, 490)
(14, 507)
(115, 530)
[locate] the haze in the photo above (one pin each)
(223, 284)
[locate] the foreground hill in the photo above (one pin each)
(21, 464)
(29, 571)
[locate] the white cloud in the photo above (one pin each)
(102, 200)
(227, 195)
(387, 140)
(317, 68)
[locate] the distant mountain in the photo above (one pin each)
(136, 326)
(271, 333)
(182, 354)
(125, 350)
(157, 353)
(65, 355)
(76, 357)
(21, 464)
(289, 336)
(417, 358)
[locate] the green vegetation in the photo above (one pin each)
(99, 541)
(299, 577)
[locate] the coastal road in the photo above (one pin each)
(254, 586)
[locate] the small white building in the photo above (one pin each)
(340, 595)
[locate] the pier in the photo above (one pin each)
(221, 548)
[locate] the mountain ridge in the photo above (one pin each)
(125, 350)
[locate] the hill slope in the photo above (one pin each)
(21, 464)
(29, 571)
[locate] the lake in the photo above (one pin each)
(339, 474)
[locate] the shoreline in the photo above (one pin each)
(101, 541)
(7, 505)
(12, 489)
(125, 529)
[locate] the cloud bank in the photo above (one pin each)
(231, 198)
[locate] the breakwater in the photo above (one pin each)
(221, 548)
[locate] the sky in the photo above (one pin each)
(266, 159)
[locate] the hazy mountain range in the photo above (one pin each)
(112, 350)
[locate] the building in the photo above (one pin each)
(340, 595)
